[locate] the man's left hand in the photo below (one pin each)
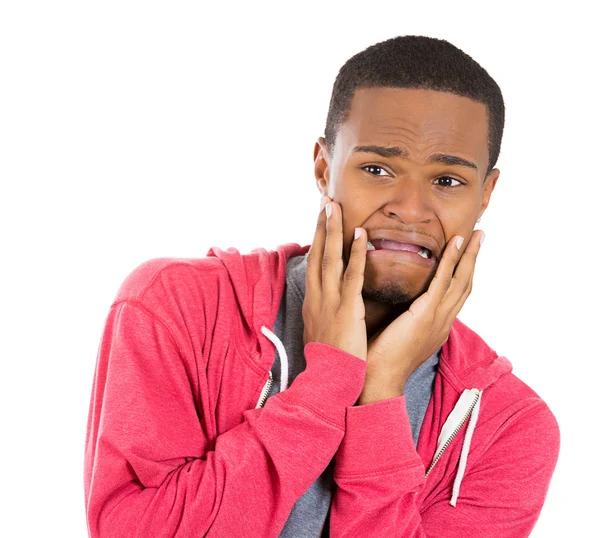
(409, 340)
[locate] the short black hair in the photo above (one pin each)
(417, 62)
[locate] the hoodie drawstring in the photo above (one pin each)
(283, 359)
(462, 463)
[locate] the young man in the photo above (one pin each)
(331, 391)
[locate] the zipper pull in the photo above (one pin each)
(455, 421)
(265, 391)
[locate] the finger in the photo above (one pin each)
(458, 306)
(466, 289)
(463, 274)
(333, 263)
(315, 256)
(443, 275)
(354, 276)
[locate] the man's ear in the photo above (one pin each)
(488, 187)
(322, 165)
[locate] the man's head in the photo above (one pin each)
(445, 115)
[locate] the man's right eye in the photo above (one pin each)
(375, 166)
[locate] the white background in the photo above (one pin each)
(133, 130)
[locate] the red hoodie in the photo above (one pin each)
(176, 445)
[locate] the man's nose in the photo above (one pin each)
(410, 203)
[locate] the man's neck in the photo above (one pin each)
(379, 315)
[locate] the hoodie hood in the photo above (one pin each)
(466, 362)
(258, 281)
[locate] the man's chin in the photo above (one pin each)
(387, 293)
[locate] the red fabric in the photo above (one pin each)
(175, 446)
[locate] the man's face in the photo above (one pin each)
(407, 194)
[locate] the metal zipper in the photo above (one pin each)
(453, 434)
(266, 390)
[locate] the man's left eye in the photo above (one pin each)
(451, 179)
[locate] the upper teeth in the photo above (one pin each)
(370, 246)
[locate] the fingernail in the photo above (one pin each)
(481, 238)
(323, 202)
(328, 210)
(459, 242)
(357, 232)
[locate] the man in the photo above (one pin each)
(331, 390)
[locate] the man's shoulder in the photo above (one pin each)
(516, 392)
(510, 404)
(162, 276)
(218, 265)
(479, 365)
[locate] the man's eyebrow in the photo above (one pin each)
(443, 158)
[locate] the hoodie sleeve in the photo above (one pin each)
(150, 469)
(379, 474)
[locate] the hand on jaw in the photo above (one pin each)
(334, 311)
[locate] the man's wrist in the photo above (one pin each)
(376, 393)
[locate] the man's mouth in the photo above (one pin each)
(385, 244)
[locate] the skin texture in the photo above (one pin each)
(405, 193)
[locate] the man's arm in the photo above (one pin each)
(151, 471)
(379, 473)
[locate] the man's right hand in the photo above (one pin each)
(333, 310)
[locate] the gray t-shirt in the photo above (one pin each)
(309, 517)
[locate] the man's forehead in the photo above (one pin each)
(402, 109)
(386, 100)
(402, 117)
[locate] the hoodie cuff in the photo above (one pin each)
(378, 438)
(332, 380)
